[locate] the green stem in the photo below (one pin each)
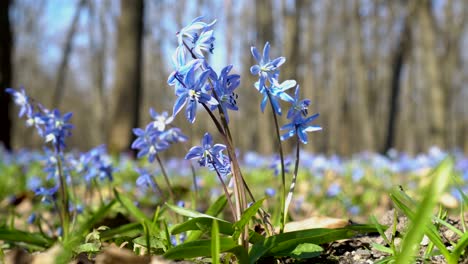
(226, 192)
(166, 178)
(64, 194)
(294, 179)
(283, 177)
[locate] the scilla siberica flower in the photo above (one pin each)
(51, 125)
(300, 126)
(298, 107)
(199, 36)
(275, 91)
(149, 142)
(266, 69)
(195, 90)
(224, 87)
(207, 153)
(21, 99)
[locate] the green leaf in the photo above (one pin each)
(127, 203)
(382, 248)
(316, 236)
(202, 248)
(156, 242)
(14, 235)
(305, 251)
(190, 213)
(88, 248)
(440, 178)
(245, 218)
(215, 247)
(217, 207)
(123, 230)
(214, 210)
(203, 224)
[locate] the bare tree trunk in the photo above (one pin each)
(98, 66)
(6, 72)
(426, 41)
(397, 65)
(358, 93)
(264, 26)
(128, 72)
(67, 50)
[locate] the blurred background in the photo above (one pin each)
(382, 73)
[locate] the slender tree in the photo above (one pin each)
(128, 70)
(6, 44)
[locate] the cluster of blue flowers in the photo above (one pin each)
(155, 138)
(271, 89)
(55, 128)
(50, 125)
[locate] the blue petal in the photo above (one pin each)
(194, 152)
(207, 140)
(180, 102)
(191, 111)
(255, 54)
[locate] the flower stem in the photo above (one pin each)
(283, 177)
(226, 192)
(294, 179)
(65, 216)
(166, 178)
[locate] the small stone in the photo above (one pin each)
(425, 241)
(397, 241)
(447, 200)
(450, 235)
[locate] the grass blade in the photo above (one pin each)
(14, 235)
(423, 216)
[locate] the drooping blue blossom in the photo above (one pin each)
(57, 128)
(174, 135)
(181, 66)
(275, 91)
(198, 37)
(22, 100)
(48, 195)
(195, 90)
(149, 142)
(298, 107)
(300, 126)
(224, 88)
(266, 68)
(145, 179)
(207, 153)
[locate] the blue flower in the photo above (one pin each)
(224, 88)
(300, 126)
(57, 128)
(160, 120)
(270, 192)
(206, 153)
(149, 142)
(266, 69)
(21, 99)
(275, 91)
(298, 107)
(193, 92)
(200, 35)
(174, 135)
(145, 179)
(181, 66)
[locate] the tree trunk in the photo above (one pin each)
(436, 100)
(396, 83)
(67, 50)
(6, 44)
(127, 74)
